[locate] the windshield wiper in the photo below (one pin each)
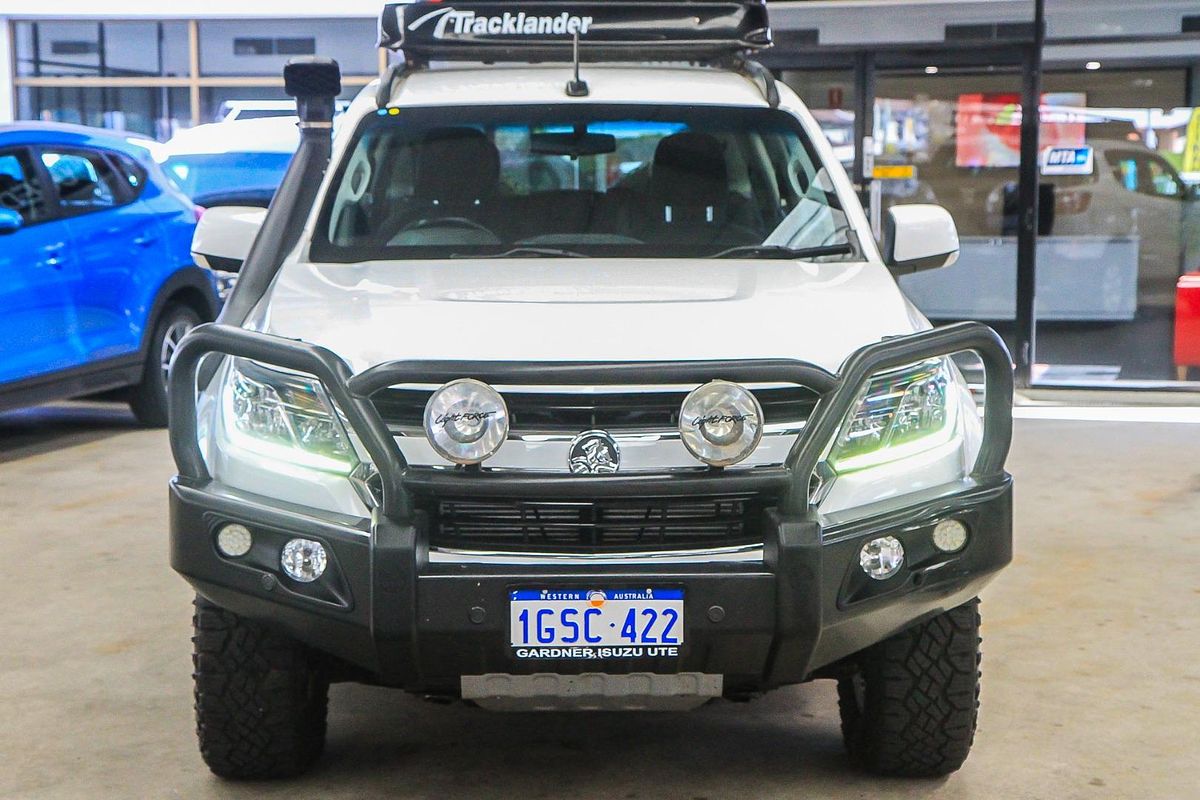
(527, 252)
(781, 251)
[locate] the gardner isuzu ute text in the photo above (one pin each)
(570, 376)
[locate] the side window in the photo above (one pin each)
(85, 180)
(133, 174)
(20, 190)
(1125, 170)
(1162, 178)
(1144, 173)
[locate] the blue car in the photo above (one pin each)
(97, 282)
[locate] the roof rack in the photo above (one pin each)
(546, 30)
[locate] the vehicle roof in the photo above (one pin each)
(508, 84)
(266, 135)
(66, 134)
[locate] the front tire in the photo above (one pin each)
(149, 398)
(910, 708)
(261, 700)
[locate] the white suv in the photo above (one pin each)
(581, 385)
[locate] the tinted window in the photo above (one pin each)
(19, 189)
(85, 180)
(133, 173)
(211, 173)
(604, 181)
(1144, 173)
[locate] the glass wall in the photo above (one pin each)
(157, 112)
(154, 78)
(101, 49)
(1118, 256)
(946, 137)
(1119, 247)
(829, 95)
(262, 47)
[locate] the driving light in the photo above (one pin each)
(721, 423)
(950, 536)
(466, 421)
(899, 414)
(304, 560)
(285, 417)
(234, 540)
(882, 558)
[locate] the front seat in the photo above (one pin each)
(690, 199)
(457, 177)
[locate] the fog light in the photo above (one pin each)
(234, 540)
(950, 536)
(721, 423)
(304, 560)
(882, 558)
(466, 421)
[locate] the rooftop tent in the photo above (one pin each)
(510, 30)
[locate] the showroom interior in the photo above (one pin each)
(1063, 138)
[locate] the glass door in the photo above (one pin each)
(952, 137)
(1118, 298)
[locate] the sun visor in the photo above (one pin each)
(690, 30)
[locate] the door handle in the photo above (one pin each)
(54, 255)
(145, 241)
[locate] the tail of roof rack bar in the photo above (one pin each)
(545, 30)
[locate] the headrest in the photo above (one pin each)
(456, 166)
(689, 169)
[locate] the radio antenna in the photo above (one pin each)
(577, 87)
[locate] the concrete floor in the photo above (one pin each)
(1091, 653)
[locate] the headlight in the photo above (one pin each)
(899, 414)
(286, 417)
(911, 430)
(721, 423)
(466, 421)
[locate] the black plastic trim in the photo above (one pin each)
(421, 625)
(100, 376)
(702, 481)
(588, 373)
(286, 217)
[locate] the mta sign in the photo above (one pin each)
(1068, 161)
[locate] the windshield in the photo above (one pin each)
(580, 179)
(216, 173)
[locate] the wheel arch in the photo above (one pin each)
(191, 287)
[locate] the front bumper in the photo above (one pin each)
(409, 620)
(422, 625)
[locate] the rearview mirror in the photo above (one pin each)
(575, 145)
(225, 235)
(10, 221)
(918, 237)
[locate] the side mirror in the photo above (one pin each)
(225, 235)
(918, 237)
(10, 221)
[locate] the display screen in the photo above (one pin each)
(988, 127)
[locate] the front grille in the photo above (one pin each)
(554, 412)
(626, 525)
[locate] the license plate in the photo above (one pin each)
(596, 623)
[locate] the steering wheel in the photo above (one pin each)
(446, 222)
